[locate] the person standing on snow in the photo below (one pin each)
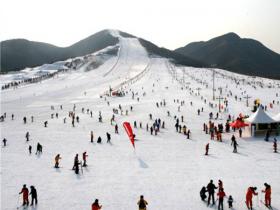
(230, 201)
(142, 203)
(4, 142)
(108, 137)
(203, 193)
(249, 196)
(33, 193)
(24, 191)
(91, 136)
(240, 133)
(85, 159)
(95, 205)
(206, 149)
(30, 149)
(234, 144)
(221, 194)
(27, 136)
(267, 195)
(211, 192)
(116, 129)
(76, 164)
(275, 145)
(56, 160)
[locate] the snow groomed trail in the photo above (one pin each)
(167, 169)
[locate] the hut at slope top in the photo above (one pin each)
(261, 122)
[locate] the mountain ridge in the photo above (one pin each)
(233, 53)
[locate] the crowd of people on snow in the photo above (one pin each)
(210, 128)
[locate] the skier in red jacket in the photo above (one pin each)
(25, 193)
(249, 196)
(267, 195)
(95, 205)
(221, 194)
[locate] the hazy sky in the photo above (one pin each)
(168, 23)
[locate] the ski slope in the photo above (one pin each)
(167, 169)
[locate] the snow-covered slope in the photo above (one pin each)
(167, 169)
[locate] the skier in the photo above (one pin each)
(275, 145)
(188, 134)
(116, 129)
(91, 136)
(230, 201)
(142, 203)
(24, 191)
(39, 148)
(249, 196)
(4, 142)
(46, 124)
(76, 164)
(56, 160)
(203, 193)
(24, 120)
(95, 205)
(27, 136)
(234, 144)
(220, 185)
(221, 194)
(211, 192)
(13, 116)
(267, 195)
(206, 149)
(108, 137)
(85, 159)
(240, 133)
(99, 140)
(33, 193)
(32, 119)
(30, 149)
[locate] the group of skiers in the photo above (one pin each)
(251, 191)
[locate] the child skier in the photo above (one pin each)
(230, 201)
(24, 191)
(56, 160)
(142, 203)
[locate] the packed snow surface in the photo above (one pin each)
(168, 169)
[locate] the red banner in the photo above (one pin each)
(129, 132)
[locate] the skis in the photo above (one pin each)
(269, 207)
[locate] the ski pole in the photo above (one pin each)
(18, 205)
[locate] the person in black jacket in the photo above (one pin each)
(33, 193)
(203, 193)
(211, 192)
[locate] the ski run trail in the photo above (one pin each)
(168, 169)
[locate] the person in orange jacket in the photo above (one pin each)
(267, 195)
(221, 194)
(95, 205)
(249, 196)
(24, 191)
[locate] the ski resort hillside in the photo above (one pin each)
(167, 106)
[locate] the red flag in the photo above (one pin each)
(129, 132)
